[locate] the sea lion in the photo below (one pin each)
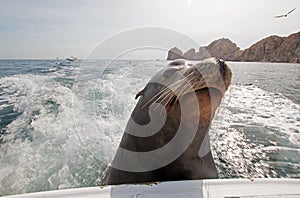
(166, 137)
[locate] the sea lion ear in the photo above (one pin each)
(141, 93)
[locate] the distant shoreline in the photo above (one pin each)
(271, 49)
(135, 61)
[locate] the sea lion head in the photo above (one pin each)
(209, 79)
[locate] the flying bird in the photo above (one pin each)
(285, 15)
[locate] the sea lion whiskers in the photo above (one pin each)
(175, 87)
(154, 99)
(192, 84)
(168, 93)
(161, 95)
(178, 89)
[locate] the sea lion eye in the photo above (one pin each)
(169, 72)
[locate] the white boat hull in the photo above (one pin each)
(180, 189)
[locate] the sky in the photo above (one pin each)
(35, 29)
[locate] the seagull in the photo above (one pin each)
(285, 15)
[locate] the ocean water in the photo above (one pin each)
(60, 125)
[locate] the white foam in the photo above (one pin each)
(271, 119)
(40, 149)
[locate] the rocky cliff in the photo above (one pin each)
(224, 49)
(175, 53)
(270, 49)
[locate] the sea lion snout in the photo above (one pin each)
(222, 65)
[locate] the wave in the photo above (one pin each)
(39, 150)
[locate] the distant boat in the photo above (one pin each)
(72, 58)
(67, 61)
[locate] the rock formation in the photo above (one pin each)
(270, 49)
(203, 53)
(224, 49)
(274, 49)
(190, 54)
(175, 53)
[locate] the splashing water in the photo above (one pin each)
(58, 131)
